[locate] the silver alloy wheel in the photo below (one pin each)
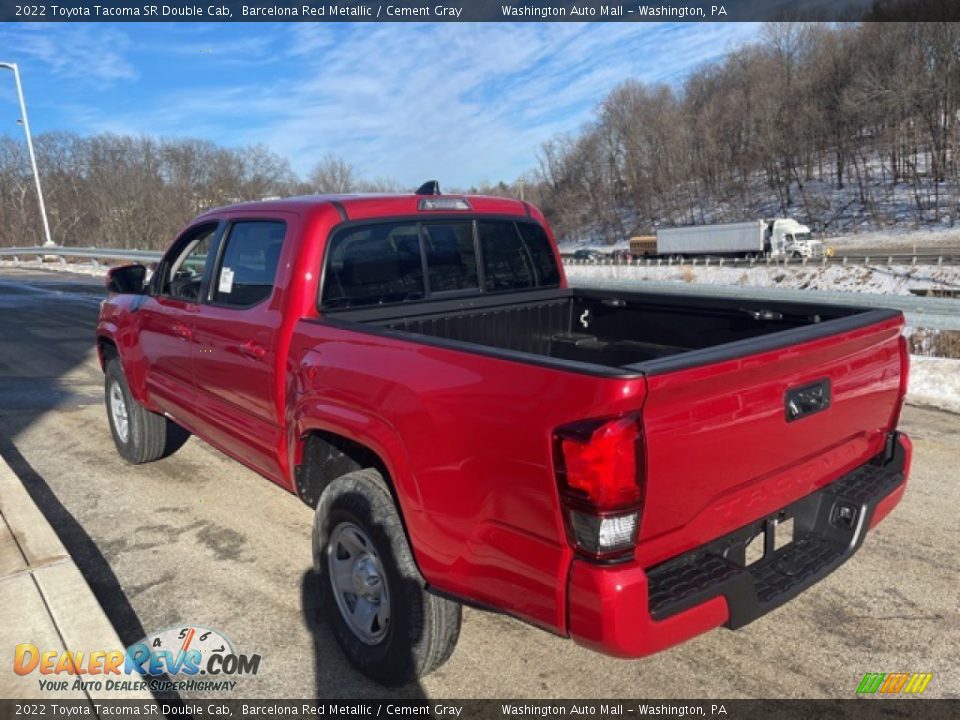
(118, 411)
(359, 583)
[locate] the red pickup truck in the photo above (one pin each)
(623, 468)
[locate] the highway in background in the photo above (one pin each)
(197, 538)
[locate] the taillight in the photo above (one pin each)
(600, 470)
(904, 381)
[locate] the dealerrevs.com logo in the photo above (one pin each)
(894, 683)
(178, 658)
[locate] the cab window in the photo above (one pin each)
(406, 261)
(183, 277)
(248, 264)
(373, 265)
(451, 257)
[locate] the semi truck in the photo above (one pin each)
(779, 237)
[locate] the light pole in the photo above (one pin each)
(33, 157)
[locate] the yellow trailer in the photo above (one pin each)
(643, 245)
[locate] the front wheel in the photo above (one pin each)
(139, 435)
(389, 626)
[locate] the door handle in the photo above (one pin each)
(182, 331)
(253, 350)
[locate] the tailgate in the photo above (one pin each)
(723, 449)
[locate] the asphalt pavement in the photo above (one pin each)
(198, 539)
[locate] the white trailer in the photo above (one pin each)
(728, 239)
(779, 237)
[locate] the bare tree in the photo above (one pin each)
(333, 174)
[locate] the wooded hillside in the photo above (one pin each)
(844, 127)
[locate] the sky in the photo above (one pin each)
(464, 103)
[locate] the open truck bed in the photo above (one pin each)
(609, 332)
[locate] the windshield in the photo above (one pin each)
(803, 236)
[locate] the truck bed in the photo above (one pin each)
(611, 332)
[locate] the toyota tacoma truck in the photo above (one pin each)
(625, 469)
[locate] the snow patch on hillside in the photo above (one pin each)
(881, 279)
(897, 238)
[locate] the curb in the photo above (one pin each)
(45, 601)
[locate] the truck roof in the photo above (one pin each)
(366, 206)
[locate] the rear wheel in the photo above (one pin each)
(140, 435)
(390, 627)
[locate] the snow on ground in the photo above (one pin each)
(894, 280)
(934, 382)
(897, 238)
(77, 268)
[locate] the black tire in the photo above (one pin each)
(422, 629)
(148, 436)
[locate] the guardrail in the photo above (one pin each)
(88, 253)
(920, 312)
(852, 260)
(926, 312)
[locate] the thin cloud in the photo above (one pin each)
(93, 53)
(462, 102)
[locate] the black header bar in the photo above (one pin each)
(475, 11)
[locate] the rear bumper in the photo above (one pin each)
(628, 611)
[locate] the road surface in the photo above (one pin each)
(197, 538)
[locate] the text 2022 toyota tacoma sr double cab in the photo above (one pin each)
(623, 468)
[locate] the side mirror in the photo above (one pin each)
(126, 279)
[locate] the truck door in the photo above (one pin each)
(234, 362)
(166, 321)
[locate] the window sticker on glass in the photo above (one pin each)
(226, 280)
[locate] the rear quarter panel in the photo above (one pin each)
(467, 439)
